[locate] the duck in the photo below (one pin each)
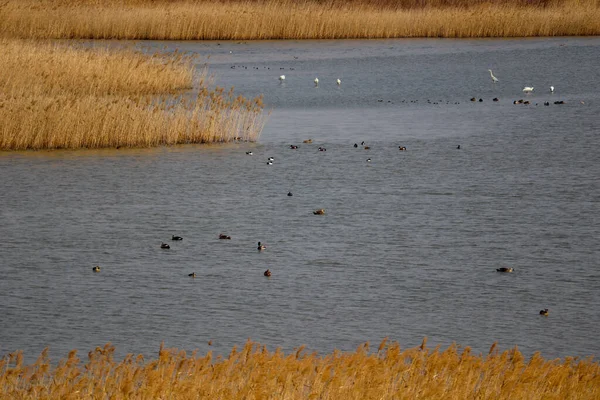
(518, 101)
(320, 211)
(480, 100)
(367, 147)
(270, 159)
(401, 148)
(249, 153)
(528, 89)
(269, 162)
(96, 269)
(164, 246)
(307, 141)
(355, 145)
(546, 103)
(544, 312)
(293, 147)
(458, 147)
(290, 194)
(224, 236)
(495, 99)
(362, 143)
(504, 269)
(368, 160)
(176, 238)
(559, 102)
(261, 246)
(473, 99)
(267, 273)
(193, 274)
(322, 149)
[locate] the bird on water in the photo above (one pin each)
(494, 79)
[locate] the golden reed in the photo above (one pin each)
(64, 97)
(255, 373)
(291, 19)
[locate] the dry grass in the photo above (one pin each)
(255, 373)
(289, 19)
(57, 96)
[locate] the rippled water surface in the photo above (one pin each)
(410, 242)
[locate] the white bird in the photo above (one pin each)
(494, 79)
(339, 81)
(552, 89)
(528, 89)
(316, 81)
(282, 78)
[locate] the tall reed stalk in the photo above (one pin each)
(291, 19)
(63, 97)
(256, 373)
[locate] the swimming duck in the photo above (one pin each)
(367, 147)
(528, 89)
(249, 153)
(164, 246)
(293, 146)
(307, 141)
(322, 149)
(495, 99)
(223, 236)
(193, 274)
(269, 162)
(546, 103)
(458, 147)
(96, 269)
(270, 159)
(473, 99)
(267, 273)
(544, 312)
(355, 145)
(518, 101)
(320, 211)
(401, 148)
(480, 100)
(261, 246)
(176, 238)
(368, 160)
(290, 194)
(362, 143)
(504, 269)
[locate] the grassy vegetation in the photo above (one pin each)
(63, 97)
(290, 19)
(255, 373)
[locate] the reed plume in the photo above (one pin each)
(288, 19)
(256, 373)
(66, 97)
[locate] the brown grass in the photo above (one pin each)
(58, 96)
(289, 19)
(256, 373)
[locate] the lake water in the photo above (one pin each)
(410, 242)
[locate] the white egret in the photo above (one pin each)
(282, 78)
(528, 89)
(316, 81)
(339, 81)
(494, 79)
(552, 89)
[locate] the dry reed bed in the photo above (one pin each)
(306, 19)
(255, 373)
(60, 97)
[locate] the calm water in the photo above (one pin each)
(410, 243)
